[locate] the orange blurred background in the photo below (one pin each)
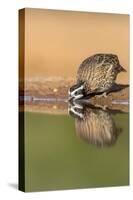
(56, 42)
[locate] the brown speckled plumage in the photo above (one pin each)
(97, 127)
(99, 72)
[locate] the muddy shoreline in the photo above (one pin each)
(52, 97)
(59, 88)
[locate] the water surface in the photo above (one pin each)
(58, 158)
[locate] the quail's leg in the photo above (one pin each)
(102, 95)
(104, 107)
(105, 94)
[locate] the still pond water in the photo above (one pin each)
(65, 152)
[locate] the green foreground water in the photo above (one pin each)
(56, 158)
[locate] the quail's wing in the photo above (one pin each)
(96, 128)
(88, 66)
(100, 76)
(84, 69)
(93, 71)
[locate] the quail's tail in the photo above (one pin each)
(122, 69)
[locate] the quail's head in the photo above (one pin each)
(76, 109)
(76, 91)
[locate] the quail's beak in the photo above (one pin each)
(69, 95)
(70, 98)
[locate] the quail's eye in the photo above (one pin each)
(78, 92)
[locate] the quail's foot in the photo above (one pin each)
(102, 95)
(103, 107)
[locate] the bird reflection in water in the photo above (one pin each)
(94, 124)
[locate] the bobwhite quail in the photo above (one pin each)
(96, 74)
